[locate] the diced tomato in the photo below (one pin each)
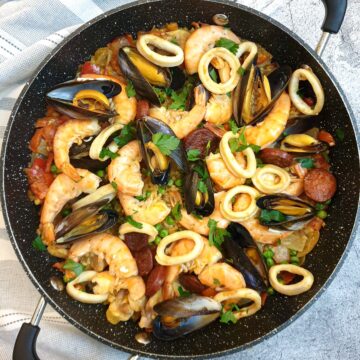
(39, 180)
(309, 101)
(35, 140)
(89, 68)
(320, 162)
(59, 266)
(41, 163)
(263, 296)
(287, 277)
(326, 137)
(49, 162)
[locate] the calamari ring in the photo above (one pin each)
(292, 289)
(167, 260)
(230, 160)
(146, 229)
(203, 70)
(265, 179)
(226, 207)
(100, 140)
(83, 296)
(249, 47)
(158, 59)
(105, 191)
(298, 102)
(245, 293)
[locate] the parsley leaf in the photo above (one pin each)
(106, 152)
(268, 216)
(340, 134)
(193, 154)
(174, 41)
(202, 187)
(114, 185)
(144, 196)
(128, 133)
(134, 223)
(165, 143)
(183, 293)
(234, 128)
(216, 235)
(160, 94)
(201, 171)
(255, 148)
(176, 213)
(216, 282)
(259, 163)
(130, 90)
(306, 163)
(241, 71)
(208, 145)
(227, 317)
(227, 44)
(213, 75)
(38, 244)
(73, 266)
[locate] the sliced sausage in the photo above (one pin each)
(155, 280)
(199, 138)
(192, 283)
(320, 162)
(142, 108)
(136, 241)
(144, 261)
(276, 157)
(319, 185)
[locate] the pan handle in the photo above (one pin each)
(334, 15)
(25, 344)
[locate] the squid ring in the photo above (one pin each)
(230, 161)
(162, 60)
(82, 296)
(293, 289)
(248, 294)
(265, 179)
(203, 70)
(105, 191)
(298, 102)
(167, 260)
(99, 142)
(226, 205)
(249, 47)
(146, 229)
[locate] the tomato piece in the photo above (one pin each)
(287, 277)
(49, 162)
(35, 140)
(309, 101)
(264, 296)
(89, 68)
(41, 163)
(326, 137)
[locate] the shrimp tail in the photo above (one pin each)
(70, 171)
(47, 233)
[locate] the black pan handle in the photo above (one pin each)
(334, 15)
(25, 344)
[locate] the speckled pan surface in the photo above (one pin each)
(22, 219)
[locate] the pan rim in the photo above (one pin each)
(43, 292)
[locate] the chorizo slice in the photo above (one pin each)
(192, 283)
(199, 139)
(319, 185)
(144, 261)
(276, 157)
(136, 241)
(155, 280)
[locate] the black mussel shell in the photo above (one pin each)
(62, 95)
(297, 126)
(198, 172)
(78, 151)
(90, 164)
(146, 127)
(243, 254)
(178, 78)
(296, 212)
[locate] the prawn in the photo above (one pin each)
(202, 40)
(111, 249)
(183, 122)
(62, 190)
(222, 276)
(267, 131)
(66, 135)
(124, 170)
(148, 314)
(136, 288)
(220, 174)
(296, 187)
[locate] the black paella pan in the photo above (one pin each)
(61, 65)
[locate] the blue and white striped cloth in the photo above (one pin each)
(29, 29)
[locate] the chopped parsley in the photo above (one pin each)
(340, 134)
(216, 282)
(114, 185)
(202, 187)
(201, 171)
(227, 44)
(183, 293)
(240, 143)
(134, 223)
(207, 148)
(174, 41)
(228, 316)
(73, 266)
(38, 244)
(128, 133)
(241, 71)
(143, 197)
(234, 128)
(130, 90)
(176, 213)
(268, 216)
(106, 152)
(216, 235)
(213, 75)
(193, 154)
(259, 163)
(165, 143)
(306, 163)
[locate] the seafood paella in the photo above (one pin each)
(181, 178)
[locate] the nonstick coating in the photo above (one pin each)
(21, 215)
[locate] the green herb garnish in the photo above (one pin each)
(106, 152)
(228, 317)
(176, 213)
(306, 163)
(267, 216)
(128, 133)
(202, 187)
(241, 71)
(227, 44)
(234, 128)
(38, 244)
(114, 185)
(130, 90)
(73, 266)
(213, 75)
(193, 154)
(143, 197)
(165, 143)
(183, 293)
(216, 235)
(134, 223)
(340, 134)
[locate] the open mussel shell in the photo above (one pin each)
(241, 251)
(256, 93)
(296, 212)
(183, 315)
(62, 95)
(302, 144)
(146, 127)
(202, 203)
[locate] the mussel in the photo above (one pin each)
(302, 144)
(284, 212)
(256, 93)
(199, 192)
(90, 219)
(241, 251)
(84, 98)
(184, 315)
(157, 163)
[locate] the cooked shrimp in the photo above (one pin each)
(62, 190)
(111, 249)
(267, 131)
(124, 170)
(222, 276)
(261, 233)
(119, 308)
(200, 226)
(219, 109)
(66, 135)
(183, 122)
(202, 40)
(220, 174)
(296, 187)
(136, 287)
(148, 314)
